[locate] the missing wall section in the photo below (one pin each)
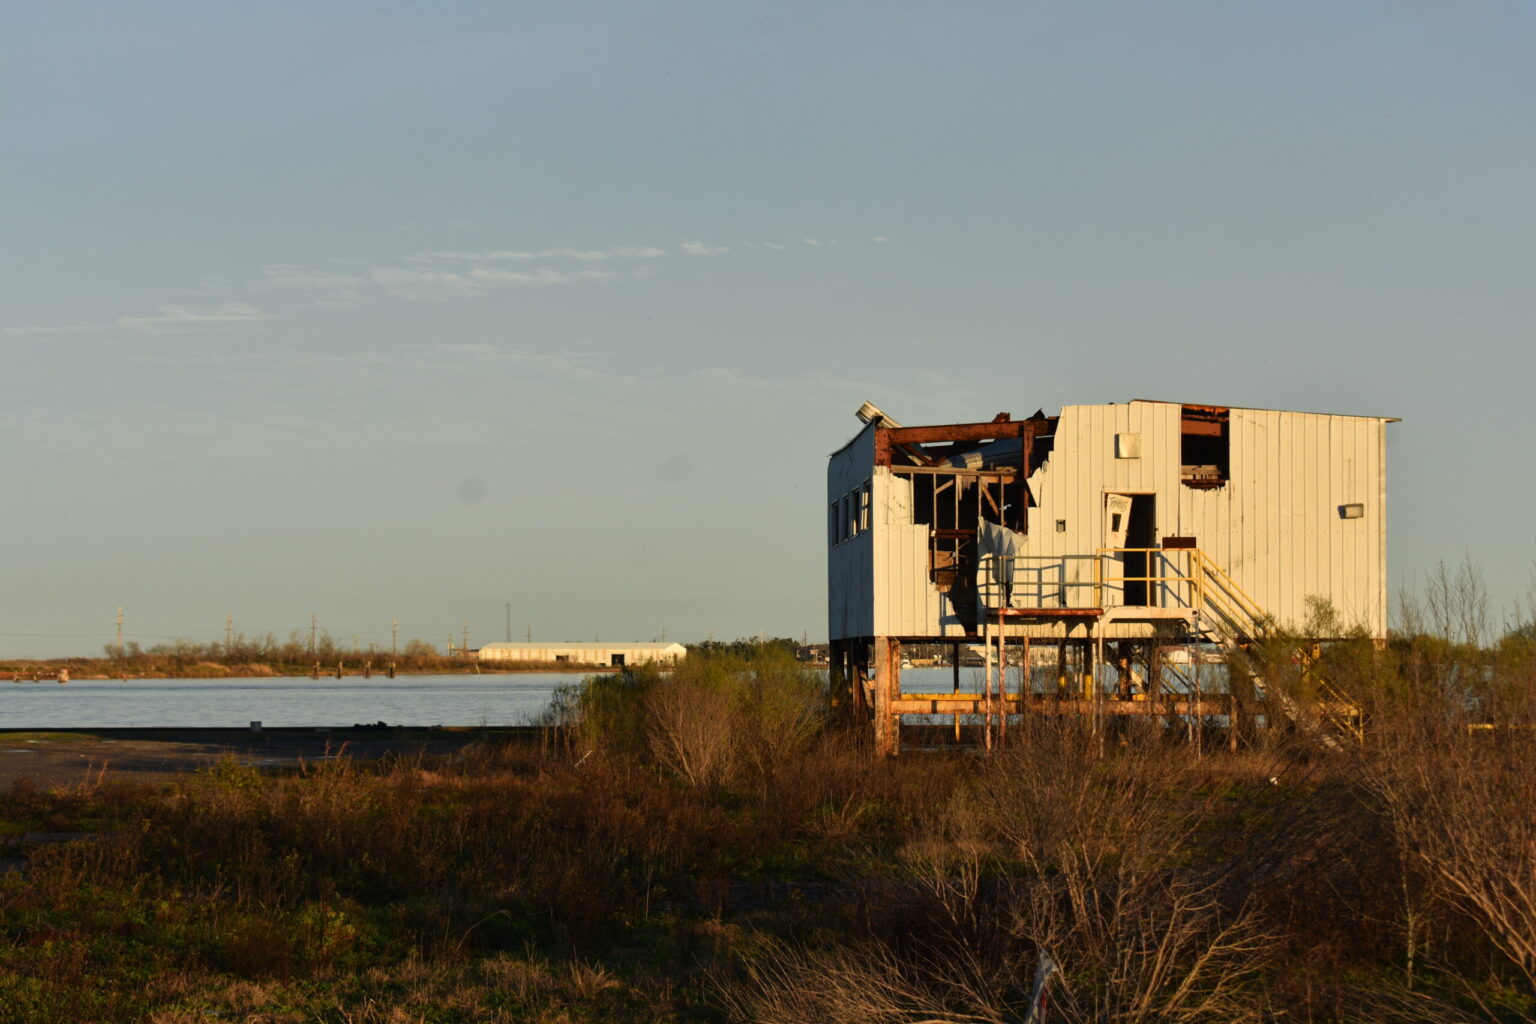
(1205, 446)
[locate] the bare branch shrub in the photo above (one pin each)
(690, 726)
(1461, 798)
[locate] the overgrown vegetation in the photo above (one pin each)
(713, 844)
(246, 657)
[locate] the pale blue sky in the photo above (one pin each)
(412, 310)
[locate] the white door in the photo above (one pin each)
(1117, 519)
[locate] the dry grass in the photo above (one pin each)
(768, 868)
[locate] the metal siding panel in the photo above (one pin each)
(1364, 567)
(1327, 526)
(1305, 523)
(1380, 470)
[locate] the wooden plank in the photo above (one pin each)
(975, 704)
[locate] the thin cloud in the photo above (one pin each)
(565, 252)
(519, 278)
(38, 330)
(702, 248)
(404, 283)
(169, 318)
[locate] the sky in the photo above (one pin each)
(402, 311)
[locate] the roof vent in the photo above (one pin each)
(869, 412)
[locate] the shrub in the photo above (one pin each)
(708, 719)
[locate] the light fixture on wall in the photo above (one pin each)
(1356, 511)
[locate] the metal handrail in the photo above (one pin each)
(1249, 606)
(1201, 585)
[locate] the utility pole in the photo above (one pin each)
(663, 634)
(530, 632)
(229, 632)
(119, 631)
(394, 636)
(465, 645)
(509, 622)
(313, 619)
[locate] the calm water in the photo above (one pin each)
(404, 700)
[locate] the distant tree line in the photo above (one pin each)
(745, 647)
(261, 655)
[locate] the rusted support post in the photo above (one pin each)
(1002, 688)
(1026, 687)
(887, 685)
(1061, 662)
(986, 689)
(955, 664)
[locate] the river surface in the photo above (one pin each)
(494, 700)
(475, 700)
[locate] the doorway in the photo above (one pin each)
(1130, 524)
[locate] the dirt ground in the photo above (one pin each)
(60, 758)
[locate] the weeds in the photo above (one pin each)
(712, 845)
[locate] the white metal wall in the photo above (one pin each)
(584, 654)
(850, 564)
(1274, 526)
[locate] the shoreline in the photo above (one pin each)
(48, 672)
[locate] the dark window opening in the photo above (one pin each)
(1205, 449)
(1140, 534)
(617, 661)
(562, 657)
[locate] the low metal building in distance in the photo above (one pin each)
(584, 653)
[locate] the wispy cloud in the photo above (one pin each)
(325, 288)
(406, 283)
(520, 278)
(170, 318)
(428, 275)
(42, 330)
(561, 253)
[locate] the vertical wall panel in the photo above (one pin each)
(1274, 525)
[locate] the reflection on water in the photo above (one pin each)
(186, 703)
(492, 700)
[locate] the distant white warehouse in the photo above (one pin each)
(584, 653)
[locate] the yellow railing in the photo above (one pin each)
(1186, 581)
(1173, 577)
(1219, 591)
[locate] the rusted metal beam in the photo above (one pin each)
(976, 704)
(1051, 613)
(997, 472)
(950, 432)
(887, 687)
